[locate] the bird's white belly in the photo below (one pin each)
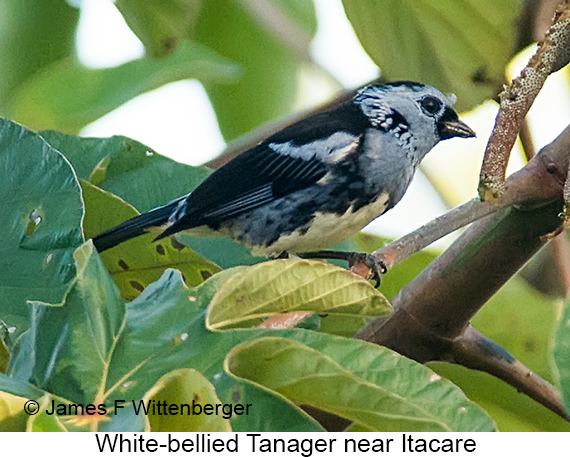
(326, 230)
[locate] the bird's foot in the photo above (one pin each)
(377, 268)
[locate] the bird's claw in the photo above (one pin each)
(377, 267)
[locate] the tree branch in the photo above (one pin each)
(552, 54)
(432, 313)
(475, 351)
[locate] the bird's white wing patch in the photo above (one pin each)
(327, 150)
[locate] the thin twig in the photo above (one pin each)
(516, 100)
(399, 250)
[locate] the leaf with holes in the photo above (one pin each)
(450, 45)
(95, 349)
(41, 224)
(367, 384)
(281, 286)
(80, 335)
(140, 261)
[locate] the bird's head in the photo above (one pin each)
(419, 116)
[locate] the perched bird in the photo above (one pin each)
(316, 182)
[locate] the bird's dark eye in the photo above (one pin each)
(431, 105)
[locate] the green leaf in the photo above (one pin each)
(138, 262)
(268, 84)
(162, 330)
(186, 386)
(160, 26)
(84, 94)
(451, 45)
(33, 34)
(41, 224)
(128, 168)
(562, 356)
(364, 383)
(223, 251)
(300, 12)
(79, 335)
(20, 388)
(282, 286)
(235, 29)
(4, 352)
(43, 422)
(165, 329)
(523, 322)
(12, 415)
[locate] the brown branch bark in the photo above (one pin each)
(432, 313)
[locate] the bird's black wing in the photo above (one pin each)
(262, 175)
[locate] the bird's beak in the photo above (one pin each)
(450, 126)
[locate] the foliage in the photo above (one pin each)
(176, 321)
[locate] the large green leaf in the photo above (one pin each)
(162, 330)
(79, 335)
(34, 33)
(138, 262)
(235, 30)
(40, 224)
(359, 381)
(268, 85)
(66, 95)
(282, 286)
(452, 45)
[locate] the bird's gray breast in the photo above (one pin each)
(386, 165)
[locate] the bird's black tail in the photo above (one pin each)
(134, 227)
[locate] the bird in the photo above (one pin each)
(316, 182)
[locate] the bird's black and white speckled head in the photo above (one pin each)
(418, 116)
